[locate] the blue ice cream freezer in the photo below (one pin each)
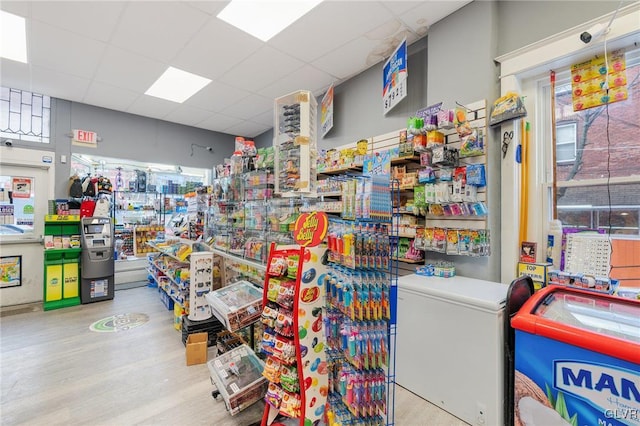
(577, 359)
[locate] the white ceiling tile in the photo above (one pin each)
(261, 69)
(80, 55)
(247, 128)
(93, 19)
(386, 30)
(210, 7)
(152, 107)
(58, 85)
(157, 30)
(249, 106)
(20, 8)
(216, 48)
(15, 75)
(127, 70)
(218, 122)
(216, 97)
(265, 118)
(356, 50)
(327, 27)
(187, 115)
(305, 78)
(334, 41)
(430, 12)
(400, 7)
(108, 96)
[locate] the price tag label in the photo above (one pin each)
(217, 363)
(234, 388)
(224, 374)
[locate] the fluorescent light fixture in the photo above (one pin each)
(177, 85)
(13, 37)
(265, 18)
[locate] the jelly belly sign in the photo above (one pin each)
(311, 228)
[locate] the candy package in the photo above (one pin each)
(274, 395)
(476, 175)
(278, 266)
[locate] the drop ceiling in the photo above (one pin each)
(109, 53)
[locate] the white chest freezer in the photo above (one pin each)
(449, 345)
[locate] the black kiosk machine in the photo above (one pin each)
(97, 260)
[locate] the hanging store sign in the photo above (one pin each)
(311, 228)
(85, 138)
(326, 112)
(394, 78)
(594, 84)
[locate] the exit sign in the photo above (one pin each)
(85, 138)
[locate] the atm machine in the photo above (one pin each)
(97, 260)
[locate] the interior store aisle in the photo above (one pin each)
(55, 370)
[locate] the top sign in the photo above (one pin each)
(85, 138)
(394, 78)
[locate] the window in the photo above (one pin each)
(566, 142)
(597, 173)
(24, 115)
(17, 200)
(597, 156)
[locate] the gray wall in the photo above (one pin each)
(455, 63)
(466, 73)
(521, 23)
(357, 105)
(132, 137)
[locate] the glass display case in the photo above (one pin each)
(137, 208)
(243, 217)
(237, 376)
(237, 305)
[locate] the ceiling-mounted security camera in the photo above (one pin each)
(8, 142)
(593, 33)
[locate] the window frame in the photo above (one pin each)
(518, 72)
(26, 139)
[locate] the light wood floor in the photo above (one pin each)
(54, 370)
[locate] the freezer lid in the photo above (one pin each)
(608, 316)
(233, 297)
(235, 370)
(487, 295)
(597, 322)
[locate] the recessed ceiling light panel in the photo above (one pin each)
(177, 85)
(13, 37)
(264, 19)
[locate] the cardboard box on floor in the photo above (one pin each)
(197, 344)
